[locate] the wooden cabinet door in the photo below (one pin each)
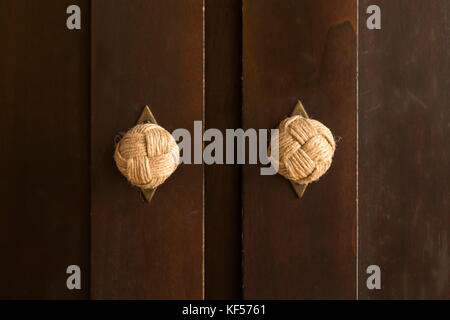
(145, 52)
(300, 248)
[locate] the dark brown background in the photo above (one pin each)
(219, 231)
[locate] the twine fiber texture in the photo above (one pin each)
(306, 149)
(147, 155)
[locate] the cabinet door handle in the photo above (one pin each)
(147, 154)
(306, 149)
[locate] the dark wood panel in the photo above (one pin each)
(146, 52)
(404, 181)
(44, 189)
(223, 52)
(300, 248)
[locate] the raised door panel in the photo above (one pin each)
(145, 52)
(300, 248)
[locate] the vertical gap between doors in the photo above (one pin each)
(223, 99)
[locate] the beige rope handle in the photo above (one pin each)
(306, 148)
(147, 154)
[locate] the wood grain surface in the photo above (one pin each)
(44, 188)
(300, 248)
(223, 70)
(404, 181)
(146, 52)
(222, 231)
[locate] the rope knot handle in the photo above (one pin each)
(305, 149)
(147, 155)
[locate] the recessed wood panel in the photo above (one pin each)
(44, 188)
(223, 70)
(404, 181)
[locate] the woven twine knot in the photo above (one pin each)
(306, 149)
(147, 155)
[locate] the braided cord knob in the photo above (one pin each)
(306, 149)
(147, 155)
